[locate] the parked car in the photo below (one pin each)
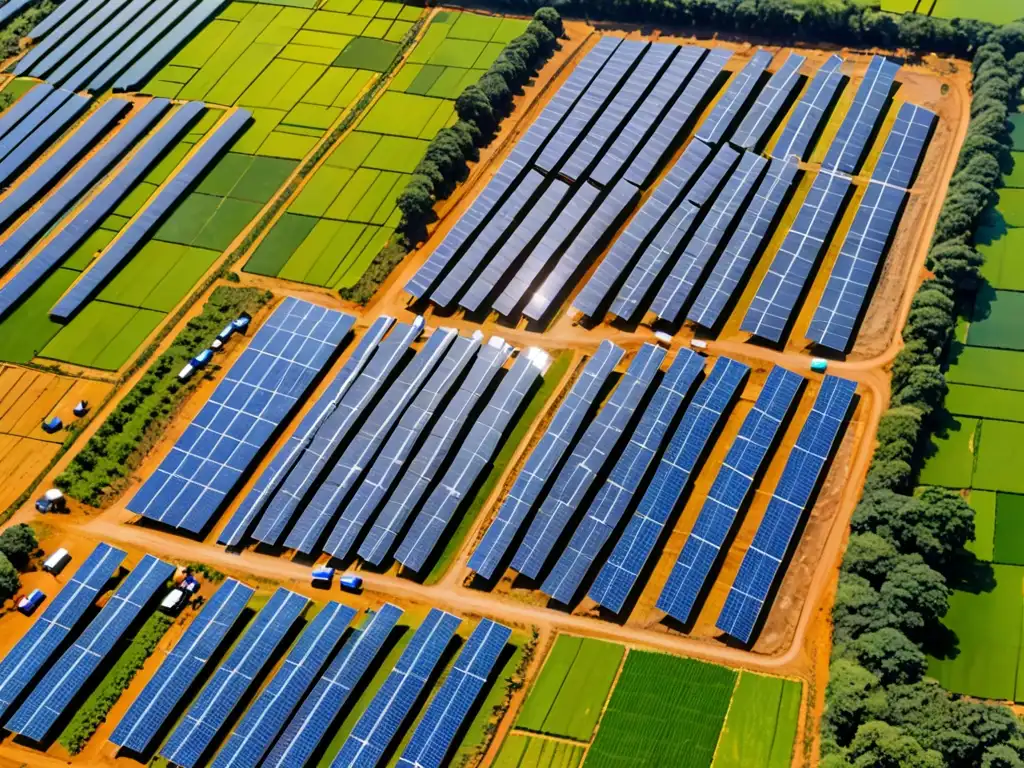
(52, 501)
(81, 408)
(351, 583)
(323, 576)
(53, 425)
(819, 365)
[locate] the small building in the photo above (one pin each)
(56, 562)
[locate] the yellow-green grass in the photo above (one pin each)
(158, 276)
(1015, 178)
(950, 456)
(521, 750)
(985, 402)
(1002, 249)
(984, 505)
(102, 335)
(901, 6)
(1011, 205)
(987, 368)
(372, 54)
(997, 320)
(401, 114)
(205, 221)
(1008, 547)
(28, 327)
(279, 244)
(997, 451)
(245, 177)
(994, 11)
(761, 725)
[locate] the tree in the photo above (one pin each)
(9, 581)
(870, 556)
(880, 745)
(551, 19)
(924, 388)
(18, 542)
(853, 696)
(914, 592)
(890, 655)
(857, 610)
(473, 106)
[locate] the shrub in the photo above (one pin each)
(18, 542)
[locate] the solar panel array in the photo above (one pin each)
(710, 180)
(729, 492)
(40, 137)
(616, 493)
(776, 298)
(705, 412)
(716, 126)
(805, 121)
(804, 468)
(769, 103)
(593, 451)
(544, 460)
(318, 710)
(378, 726)
(904, 147)
(70, 674)
(183, 664)
(195, 733)
(259, 391)
(847, 148)
(434, 735)
(60, 617)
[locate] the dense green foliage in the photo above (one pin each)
(212, 574)
(100, 470)
(9, 581)
(19, 26)
(18, 543)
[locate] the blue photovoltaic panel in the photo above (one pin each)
(474, 455)
(511, 168)
(36, 649)
(847, 148)
(59, 31)
(776, 298)
(12, 8)
(42, 137)
(707, 184)
(197, 730)
(617, 492)
(178, 672)
(433, 453)
(618, 576)
(318, 710)
(744, 244)
(729, 492)
(802, 125)
(716, 126)
(259, 391)
(66, 678)
(84, 31)
(760, 566)
(588, 459)
(359, 453)
(677, 118)
(51, 21)
(769, 103)
(284, 460)
(266, 716)
(143, 225)
(333, 432)
(545, 459)
(854, 271)
(688, 272)
(23, 107)
(904, 146)
(436, 732)
(31, 122)
(378, 725)
(652, 112)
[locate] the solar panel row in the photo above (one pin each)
(52, 20)
(595, 448)
(769, 103)
(685, 448)
(86, 29)
(905, 145)
(803, 470)
(30, 123)
(710, 180)
(12, 8)
(804, 123)
(626, 477)
(729, 493)
(40, 137)
(544, 460)
(717, 125)
(847, 148)
(55, 34)
(24, 107)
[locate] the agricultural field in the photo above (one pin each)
(994, 11)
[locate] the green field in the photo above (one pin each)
(996, 322)
(1002, 249)
(761, 725)
(967, 400)
(523, 751)
(984, 505)
(1017, 131)
(995, 11)
(1008, 540)
(950, 458)
(999, 368)
(996, 468)
(1010, 205)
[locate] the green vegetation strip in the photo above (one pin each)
(761, 726)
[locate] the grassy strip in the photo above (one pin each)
(212, 574)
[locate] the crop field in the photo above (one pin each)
(761, 725)
(524, 751)
(994, 11)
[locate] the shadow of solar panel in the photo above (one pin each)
(71, 673)
(33, 121)
(248, 660)
(433, 453)
(544, 460)
(769, 103)
(759, 569)
(904, 146)
(434, 735)
(49, 632)
(319, 709)
(80, 39)
(803, 124)
(729, 493)
(257, 394)
(847, 148)
(179, 670)
(378, 726)
(717, 125)
(474, 455)
(780, 290)
(625, 478)
(588, 459)
(618, 576)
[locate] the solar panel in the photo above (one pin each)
(545, 459)
(269, 481)
(333, 432)
(904, 146)
(688, 272)
(267, 715)
(56, 34)
(262, 387)
(80, 38)
(474, 455)
(24, 107)
(319, 709)
(672, 125)
(672, 477)
(179, 670)
(52, 20)
(60, 617)
(436, 732)
(146, 222)
(378, 726)
(71, 673)
(616, 494)
(781, 288)
(716, 126)
(41, 137)
(744, 243)
(729, 492)
(769, 103)
(710, 180)
(847, 148)
(31, 122)
(803, 470)
(595, 448)
(803, 124)
(854, 271)
(12, 8)
(248, 660)
(433, 453)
